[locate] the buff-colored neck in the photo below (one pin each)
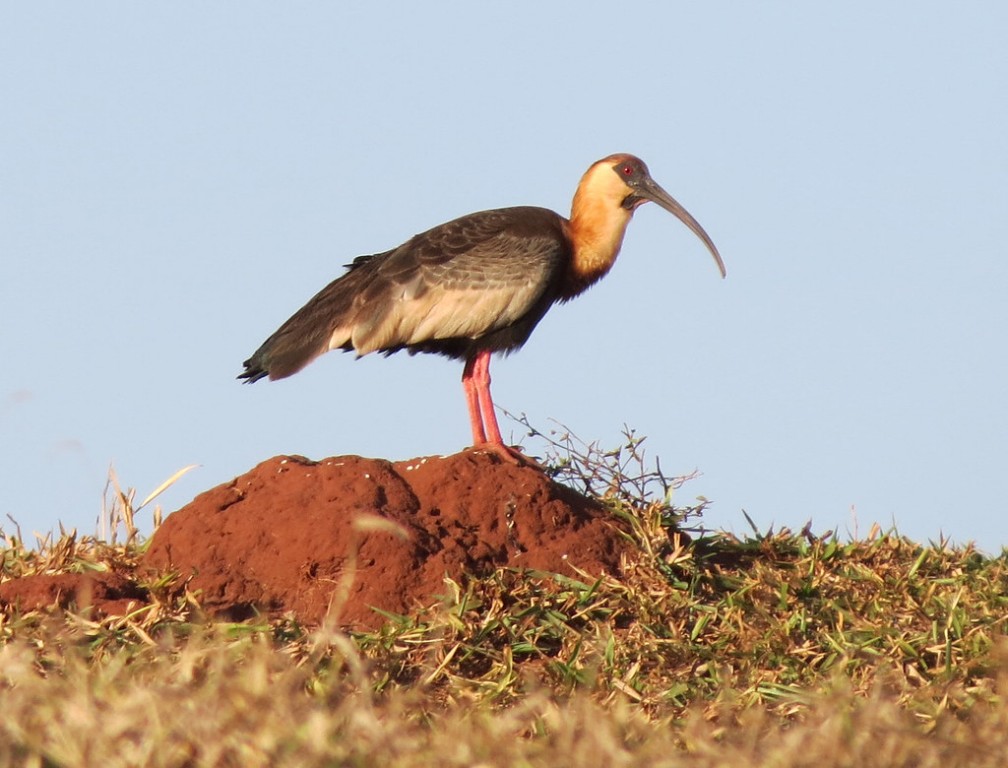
(597, 224)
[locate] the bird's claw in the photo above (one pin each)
(509, 454)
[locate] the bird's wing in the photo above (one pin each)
(464, 279)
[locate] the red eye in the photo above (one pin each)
(627, 170)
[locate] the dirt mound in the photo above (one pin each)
(347, 535)
(350, 534)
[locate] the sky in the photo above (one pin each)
(176, 179)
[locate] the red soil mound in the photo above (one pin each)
(346, 535)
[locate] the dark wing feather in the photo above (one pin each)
(464, 280)
(486, 278)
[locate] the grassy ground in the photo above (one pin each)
(780, 649)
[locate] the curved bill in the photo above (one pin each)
(650, 190)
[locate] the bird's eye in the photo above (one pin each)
(628, 170)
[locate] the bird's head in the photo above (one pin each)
(624, 181)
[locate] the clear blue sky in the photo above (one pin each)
(177, 179)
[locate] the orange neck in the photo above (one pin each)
(596, 230)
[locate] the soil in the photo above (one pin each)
(347, 535)
(112, 594)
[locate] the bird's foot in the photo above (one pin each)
(509, 455)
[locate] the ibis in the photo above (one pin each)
(473, 286)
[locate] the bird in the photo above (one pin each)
(472, 287)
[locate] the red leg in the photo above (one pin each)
(476, 382)
(481, 376)
(470, 386)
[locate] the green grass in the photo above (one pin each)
(778, 649)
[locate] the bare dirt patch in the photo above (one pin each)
(105, 593)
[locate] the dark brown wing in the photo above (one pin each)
(484, 278)
(466, 279)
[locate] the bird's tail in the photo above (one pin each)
(253, 370)
(310, 332)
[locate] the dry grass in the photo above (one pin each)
(783, 649)
(218, 699)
